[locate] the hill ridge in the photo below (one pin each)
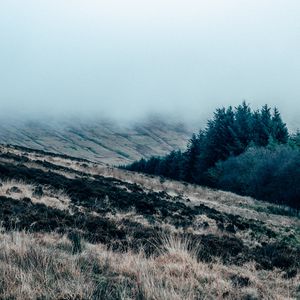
(98, 141)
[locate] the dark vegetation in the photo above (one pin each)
(240, 150)
(264, 173)
(107, 195)
(42, 152)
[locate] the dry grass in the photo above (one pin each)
(227, 202)
(30, 270)
(131, 215)
(36, 266)
(43, 266)
(19, 190)
(224, 201)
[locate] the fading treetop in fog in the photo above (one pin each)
(126, 58)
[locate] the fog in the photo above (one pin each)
(127, 59)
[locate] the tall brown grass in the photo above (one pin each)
(42, 266)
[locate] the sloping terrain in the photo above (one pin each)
(75, 229)
(96, 140)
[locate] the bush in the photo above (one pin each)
(271, 174)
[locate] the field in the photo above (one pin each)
(75, 229)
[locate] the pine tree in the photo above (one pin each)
(256, 127)
(190, 159)
(175, 165)
(229, 133)
(220, 136)
(243, 128)
(152, 166)
(265, 128)
(279, 129)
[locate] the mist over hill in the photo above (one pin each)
(149, 150)
(101, 140)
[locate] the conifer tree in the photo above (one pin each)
(220, 136)
(243, 128)
(229, 133)
(190, 159)
(265, 126)
(256, 127)
(279, 129)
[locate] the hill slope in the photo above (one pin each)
(96, 232)
(96, 140)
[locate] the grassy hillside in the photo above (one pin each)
(96, 140)
(73, 229)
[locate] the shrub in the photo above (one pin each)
(271, 174)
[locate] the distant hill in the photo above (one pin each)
(97, 140)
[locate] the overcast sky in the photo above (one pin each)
(130, 57)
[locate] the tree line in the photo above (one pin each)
(246, 151)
